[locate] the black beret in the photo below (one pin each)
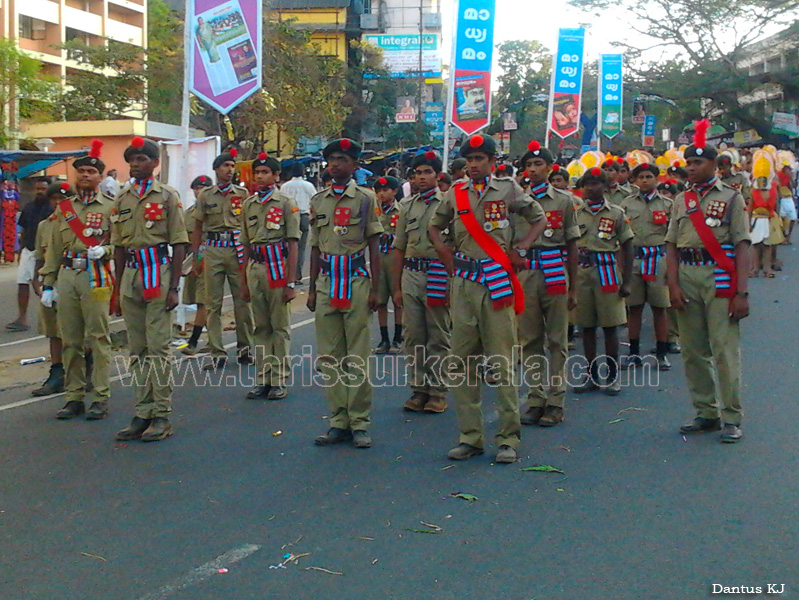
(595, 174)
(724, 159)
(429, 158)
(534, 150)
(676, 169)
(387, 181)
(708, 151)
(479, 143)
(201, 181)
(345, 145)
(654, 169)
(93, 159)
(60, 188)
(266, 161)
(229, 156)
(140, 145)
(445, 177)
(457, 164)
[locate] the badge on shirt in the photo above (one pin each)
(554, 221)
(715, 212)
(660, 217)
(495, 215)
(235, 205)
(153, 211)
(606, 227)
(393, 221)
(94, 224)
(273, 217)
(341, 219)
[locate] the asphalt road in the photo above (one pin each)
(639, 513)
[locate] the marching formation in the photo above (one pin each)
(489, 269)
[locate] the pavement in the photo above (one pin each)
(239, 503)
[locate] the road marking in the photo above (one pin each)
(120, 377)
(203, 572)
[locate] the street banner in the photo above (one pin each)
(406, 109)
(567, 83)
(509, 122)
(470, 89)
(639, 111)
(434, 117)
(611, 97)
(648, 132)
(225, 51)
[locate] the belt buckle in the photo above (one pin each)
(80, 263)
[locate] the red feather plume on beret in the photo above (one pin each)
(441, 176)
(608, 162)
(382, 181)
(700, 134)
(555, 168)
(345, 144)
(676, 164)
(596, 171)
(64, 187)
(233, 152)
(262, 156)
(137, 142)
(645, 166)
(502, 168)
(430, 155)
(534, 146)
(94, 151)
(619, 160)
(476, 141)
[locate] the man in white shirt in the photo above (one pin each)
(110, 185)
(301, 191)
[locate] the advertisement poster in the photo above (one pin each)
(473, 54)
(406, 109)
(611, 98)
(648, 132)
(509, 122)
(401, 54)
(434, 117)
(639, 111)
(567, 83)
(225, 51)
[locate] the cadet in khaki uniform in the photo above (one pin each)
(618, 188)
(421, 288)
(48, 316)
(737, 181)
(194, 285)
(77, 262)
(147, 218)
(218, 222)
(270, 235)
(386, 191)
(710, 301)
(600, 293)
(648, 213)
(485, 294)
(344, 221)
(549, 285)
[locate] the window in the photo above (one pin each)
(26, 27)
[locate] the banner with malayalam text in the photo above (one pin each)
(611, 94)
(567, 83)
(225, 51)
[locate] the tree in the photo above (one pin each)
(165, 60)
(707, 40)
(22, 87)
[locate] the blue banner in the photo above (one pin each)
(567, 83)
(611, 94)
(648, 137)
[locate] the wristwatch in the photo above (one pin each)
(522, 252)
(291, 284)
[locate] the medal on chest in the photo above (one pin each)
(715, 212)
(341, 220)
(153, 211)
(273, 217)
(235, 205)
(495, 215)
(554, 221)
(393, 221)
(94, 224)
(605, 228)
(660, 217)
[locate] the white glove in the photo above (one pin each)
(48, 297)
(55, 295)
(96, 252)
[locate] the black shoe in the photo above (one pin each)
(631, 361)
(700, 424)
(396, 347)
(54, 383)
(134, 430)
(159, 429)
(97, 411)
(217, 362)
(506, 455)
(361, 439)
(464, 451)
(587, 386)
(245, 358)
(72, 409)
(664, 364)
(731, 434)
(259, 391)
(383, 347)
(334, 435)
(674, 348)
(278, 392)
(532, 415)
(612, 388)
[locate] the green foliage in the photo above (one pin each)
(164, 63)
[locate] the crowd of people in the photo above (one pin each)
(499, 262)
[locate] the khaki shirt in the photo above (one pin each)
(561, 220)
(503, 195)
(740, 182)
(43, 236)
(412, 236)
(96, 215)
(343, 225)
(160, 205)
(620, 192)
(729, 203)
(648, 220)
(221, 212)
(190, 216)
(610, 219)
(390, 218)
(270, 222)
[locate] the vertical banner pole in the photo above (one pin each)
(599, 116)
(451, 86)
(185, 113)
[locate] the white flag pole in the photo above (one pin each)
(185, 114)
(451, 86)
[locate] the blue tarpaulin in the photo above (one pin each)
(31, 162)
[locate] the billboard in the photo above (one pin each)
(434, 117)
(611, 94)
(567, 83)
(639, 111)
(471, 73)
(402, 54)
(406, 109)
(225, 51)
(509, 122)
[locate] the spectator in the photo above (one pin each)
(110, 186)
(301, 191)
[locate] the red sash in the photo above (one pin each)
(712, 245)
(75, 224)
(487, 243)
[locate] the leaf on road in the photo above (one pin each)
(321, 570)
(543, 469)
(631, 408)
(432, 526)
(86, 554)
(462, 496)
(431, 531)
(614, 421)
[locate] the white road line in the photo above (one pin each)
(120, 377)
(203, 572)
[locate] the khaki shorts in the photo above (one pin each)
(596, 308)
(385, 283)
(655, 293)
(194, 289)
(48, 322)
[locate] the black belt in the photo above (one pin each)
(256, 255)
(639, 250)
(467, 264)
(357, 262)
(585, 258)
(419, 264)
(695, 256)
(161, 252)
(220, 236)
